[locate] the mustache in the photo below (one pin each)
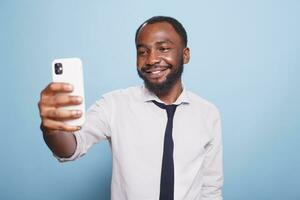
(151, 67)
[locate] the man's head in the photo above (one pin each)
(162, 50)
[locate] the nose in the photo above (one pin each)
(153, 58)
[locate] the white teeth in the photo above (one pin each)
(155, 72)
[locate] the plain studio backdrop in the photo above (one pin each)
(244, 58)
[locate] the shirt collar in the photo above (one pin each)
(150, 96)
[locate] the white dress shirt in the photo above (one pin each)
(135, 128)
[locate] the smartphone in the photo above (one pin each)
(70, 70)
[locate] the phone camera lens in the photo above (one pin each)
(58, 68)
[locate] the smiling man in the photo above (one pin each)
(166, 141)
(161, 53)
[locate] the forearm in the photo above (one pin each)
(61, 144)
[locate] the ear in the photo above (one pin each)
(186, 55)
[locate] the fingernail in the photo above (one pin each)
(74, 112)
(78, 112)
(78, 127)
(79, 99)
(69, 87)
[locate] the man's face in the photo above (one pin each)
(160, 56)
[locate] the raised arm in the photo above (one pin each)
(58, 135)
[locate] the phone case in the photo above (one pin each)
(72, 73)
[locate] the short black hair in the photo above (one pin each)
(172, 21)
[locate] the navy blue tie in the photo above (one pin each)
(167, 168)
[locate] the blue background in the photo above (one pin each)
(244, 58)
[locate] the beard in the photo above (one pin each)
(164, 87)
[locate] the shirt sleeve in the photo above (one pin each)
(213, 165)
(95, 129)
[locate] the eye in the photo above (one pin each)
(164, 49)
(141, 52)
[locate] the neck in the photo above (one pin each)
(172, 95)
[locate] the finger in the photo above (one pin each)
(56, 87)
(55, 131)
(52, 125)
(62, 114)
(59, 100)
(65, 100)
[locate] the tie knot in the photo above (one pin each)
(169, 108)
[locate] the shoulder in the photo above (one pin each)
(118, 97)
(123, 93)
(204, 105)
(123, 96)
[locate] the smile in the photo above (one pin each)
(156, 73)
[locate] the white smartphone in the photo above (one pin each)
(70, 70)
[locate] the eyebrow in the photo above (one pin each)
(157, 43)
(165, 41)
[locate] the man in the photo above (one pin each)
(166, 141)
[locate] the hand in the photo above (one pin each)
(53, 97)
